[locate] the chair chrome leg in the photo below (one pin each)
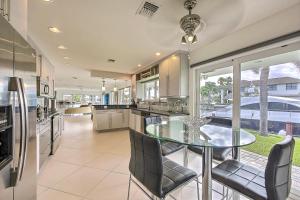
(129, 187)
(198, 194)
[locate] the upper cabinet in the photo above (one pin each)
(46, 74)
(5, 8)
(15, 11)
(174, 76)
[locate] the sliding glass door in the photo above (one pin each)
(216, 93)
(259, 93)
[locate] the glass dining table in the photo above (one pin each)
(208, 136)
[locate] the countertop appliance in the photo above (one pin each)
(55, 132)
(18, 101)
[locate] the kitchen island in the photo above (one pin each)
(110, 117)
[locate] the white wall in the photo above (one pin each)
(274, 26)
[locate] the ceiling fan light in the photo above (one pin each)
(190, 38)
(183, 40)
(195, 39)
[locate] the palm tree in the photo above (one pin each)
(264, 77)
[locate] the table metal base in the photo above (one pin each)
(206, 173)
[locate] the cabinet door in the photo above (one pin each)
(138, 123)
(45, 72)
(163, 78)
(125, 118)
(117, 119)
(174, 76)
(103, 121)
(132, 121)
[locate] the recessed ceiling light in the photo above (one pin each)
(139, 65)
(54, 29)
(67, 58)
(62, 47)
(48, 1)
(157, 54)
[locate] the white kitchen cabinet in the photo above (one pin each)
(46, 73)
(18, 15)
(138, 123)
(163, 78)
(117, 119)
(174, 76)
(125, 117)
(110, 119)
(132, 124)
(102, 120)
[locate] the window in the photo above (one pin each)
(291, 86)
(216, 93)
(272, 87)
(275, 112)
(77, 98)
(151, 90)
(124, 96)
(67, 97)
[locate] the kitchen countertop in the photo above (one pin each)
(107, 107)
(158, 112)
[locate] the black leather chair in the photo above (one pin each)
(272, 184)
(219, 154)
(166, 147)
(156, 173)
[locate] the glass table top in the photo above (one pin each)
(212, 135)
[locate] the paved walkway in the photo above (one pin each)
(261, 162)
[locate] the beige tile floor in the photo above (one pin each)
(94, 166)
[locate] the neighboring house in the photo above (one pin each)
(282, 87)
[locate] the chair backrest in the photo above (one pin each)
(278, 170)
(146, 161)
(151, 120)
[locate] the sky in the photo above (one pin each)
(276, 71)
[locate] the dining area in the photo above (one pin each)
(219, 144)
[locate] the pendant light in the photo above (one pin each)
(103, 86)
(115, 88)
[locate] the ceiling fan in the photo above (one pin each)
(190, 23)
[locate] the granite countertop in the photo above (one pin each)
(159, 112)
(107, 107)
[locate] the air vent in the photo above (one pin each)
(111, 60)
(147, 9)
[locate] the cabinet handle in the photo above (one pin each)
(2, 7)
(6, 9)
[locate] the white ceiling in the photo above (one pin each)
(96, 30)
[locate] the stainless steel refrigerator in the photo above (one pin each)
(18, 145)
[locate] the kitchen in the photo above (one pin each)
(90, 90)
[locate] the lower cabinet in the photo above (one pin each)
(110, 119)
(135, 122)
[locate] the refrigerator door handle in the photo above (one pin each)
(15, 85)
(26, 126)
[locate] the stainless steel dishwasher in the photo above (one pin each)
(55, 132)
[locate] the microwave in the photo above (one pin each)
(42, 88)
